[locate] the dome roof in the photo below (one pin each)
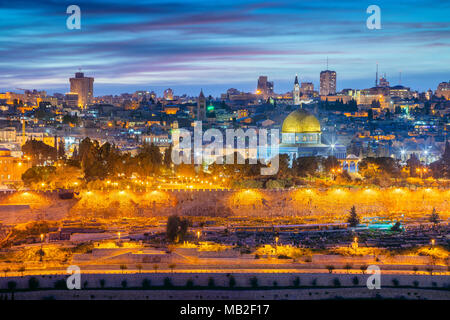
(300, 121)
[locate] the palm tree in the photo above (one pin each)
(348, 267)
(155, 267)
(139, 267)
(172, 266)
(21, 270)
(123, 267)
(6, 270)
(330, 268)
(363, 268)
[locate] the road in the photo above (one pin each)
(102, 269)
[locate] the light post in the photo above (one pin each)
(41, 253)
(421, 171)
(355, 243)
(335, 172)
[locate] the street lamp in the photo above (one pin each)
(41, 252)
(421, 171)
(355, 243)
(118, 235)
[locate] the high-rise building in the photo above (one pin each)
(168, 94)
(443, 90)
(307, 88)
(84, 87)
(71, 99)
(201, 107)
(327, 83)
(296, 92)
(264, 87)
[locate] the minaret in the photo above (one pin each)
(376, 77)
(201, 107)
(296, 92)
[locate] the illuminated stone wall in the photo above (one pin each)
(331, 204)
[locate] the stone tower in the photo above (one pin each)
(201, 107)
(296, 92)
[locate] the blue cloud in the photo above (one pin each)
(212, 43)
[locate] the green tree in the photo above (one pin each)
(232, 282)
(353, 219)
(176, 228)
(284, 169)
(254, 282)
(396, 227)
(168, 157)
(305, 166)
(330, 163)
(61, 150)
(146, 284)
(148, 160)
(33, 283)
(39, 151)
(211, 283)
(434, 217)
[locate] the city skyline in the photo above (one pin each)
(191, 45)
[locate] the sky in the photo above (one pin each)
(215, 45)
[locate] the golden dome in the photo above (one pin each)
(300, 121)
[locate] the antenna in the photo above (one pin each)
(327, 62)
(400, 78)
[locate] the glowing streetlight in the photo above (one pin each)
(42, 237)
(198, 235)
(355, 243)
(433, 242)
(118, 235)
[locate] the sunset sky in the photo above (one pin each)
(216, 45)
